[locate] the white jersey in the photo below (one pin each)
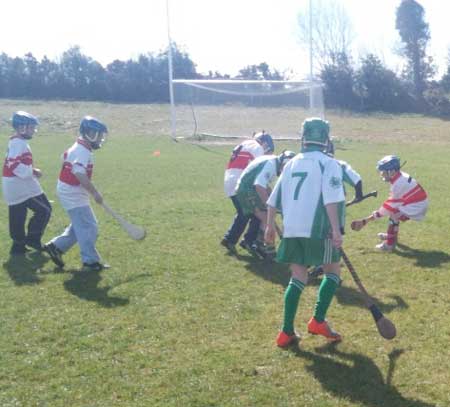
(350, 176)
(308, 182)
(261, 171)
(241, 156)
(406, 197)
(19, 182)
(78, 159)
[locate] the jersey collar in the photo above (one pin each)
(395, 177)
(84, 143)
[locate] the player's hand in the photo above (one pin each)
(336, 239)
(37, 172)
(98, 197)
(357, 225)
(269, 235)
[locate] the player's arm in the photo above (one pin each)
(351, 177)
(273, 200)
(86, 183)
(384, 210)
(333, 195)
(358, 224)
(262, 181)
(21, 162)
(358, 191)
(270, 232)
(336, 235)
(263, 193)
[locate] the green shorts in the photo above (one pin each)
(307, 251)
(249, 201)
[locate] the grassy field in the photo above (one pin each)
(178, 322)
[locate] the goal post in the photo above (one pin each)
(233, 108)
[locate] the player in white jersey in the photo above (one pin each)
(253, 190)
(21, 188)
(310, 196)
(73, 189)
(349, 177)
(407, 200)
(241, 156)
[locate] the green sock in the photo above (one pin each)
(291, 299)
(324, 295)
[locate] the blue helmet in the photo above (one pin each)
(93, 130)
(389, 163)
(266, 139)
(22, 118)
(283, 159)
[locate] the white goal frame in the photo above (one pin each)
(286, 87)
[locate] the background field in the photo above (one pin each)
(178, 322)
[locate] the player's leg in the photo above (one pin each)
(61, 244)
(41, 208)
(252, 232)
(390, 238)
(236, 229)
(267, 252)
(291, 251)
(318, 325)
(17, 217)
(86, 231)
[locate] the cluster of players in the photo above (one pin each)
(23, 192)
(310, 196)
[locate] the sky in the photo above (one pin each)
(218, 35)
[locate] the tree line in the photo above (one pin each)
(365, 86)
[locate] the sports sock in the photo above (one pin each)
(392, 233)
(324, 295)
(291, 299)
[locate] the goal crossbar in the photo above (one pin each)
(243, 104)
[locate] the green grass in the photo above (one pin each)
(178, 322)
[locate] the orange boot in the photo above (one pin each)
(322, 328)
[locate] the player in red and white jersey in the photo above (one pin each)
(407, 200)
(21, 188)
(241, 156)
(73, 189)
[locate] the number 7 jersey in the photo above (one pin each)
(309, 181)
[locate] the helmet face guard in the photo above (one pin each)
(93, 131)
(388, 166)
(95, 139)
(266, 141)
(24, 124)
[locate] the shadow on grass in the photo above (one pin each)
(355, 377)
(279, 274)
(85, 285)
(23, 270)
(424, 258)
(352, 297)
(274, 272)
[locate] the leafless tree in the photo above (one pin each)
(332, 32)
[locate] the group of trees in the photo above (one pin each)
(366, 86)
(77, 76)
(371, 86)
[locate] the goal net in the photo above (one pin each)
(237, 108)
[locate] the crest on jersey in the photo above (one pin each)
(335, 182)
